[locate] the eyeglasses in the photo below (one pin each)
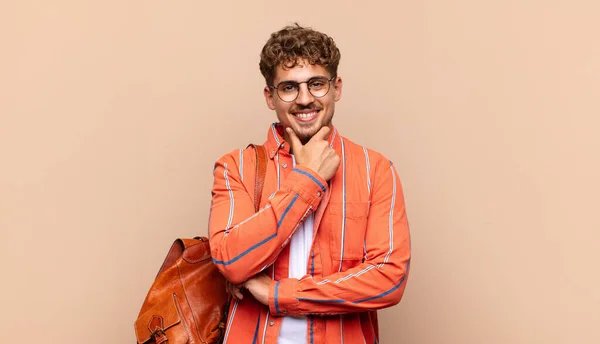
(288, 90)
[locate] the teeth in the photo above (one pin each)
(306, 115)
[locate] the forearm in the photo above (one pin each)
(243, 243)
(365, 287)
(253, 244)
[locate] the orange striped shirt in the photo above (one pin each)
(360, 255)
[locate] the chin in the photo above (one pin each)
(306, 138)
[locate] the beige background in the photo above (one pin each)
(113, 113)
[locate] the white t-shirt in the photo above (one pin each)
(293, 329)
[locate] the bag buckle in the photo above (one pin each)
(156, 325)
(160, 337)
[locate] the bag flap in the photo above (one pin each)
(162, 316)
(180, 246)
(175, 252)
(197, 252)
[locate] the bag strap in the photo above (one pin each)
(261, 171)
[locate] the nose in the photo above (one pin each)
(304, 96)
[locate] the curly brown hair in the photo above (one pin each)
(294, 43)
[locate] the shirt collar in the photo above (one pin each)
(275, 140)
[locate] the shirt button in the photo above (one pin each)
(271, 323)
(319, 193)
(284, 165)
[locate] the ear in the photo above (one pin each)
(269, 97)
(337, 86)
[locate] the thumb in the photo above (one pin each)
(294, 140)
(322, 133)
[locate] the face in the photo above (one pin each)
(307, 113)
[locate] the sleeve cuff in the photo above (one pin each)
(307, 184)
(282, 299)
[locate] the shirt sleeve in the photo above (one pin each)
(377, 283)
(243, 243)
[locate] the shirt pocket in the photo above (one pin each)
(348, 224)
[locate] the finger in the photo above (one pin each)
(230, 288)
(332, 153)
(294, 140)
(237, 293)
(265, 276)
(234, 291)
(321, 134)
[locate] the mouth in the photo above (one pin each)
(306, 116)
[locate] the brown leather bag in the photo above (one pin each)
(188, 302)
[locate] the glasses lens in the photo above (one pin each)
(318, 87)
(287, 91)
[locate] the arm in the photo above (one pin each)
(377, 283)
(242, 242)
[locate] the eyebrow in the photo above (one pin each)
(294, 81)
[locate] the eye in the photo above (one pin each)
(318, 83)
(288, 87)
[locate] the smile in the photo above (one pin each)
(306, 116)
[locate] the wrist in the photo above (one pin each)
(314, 170)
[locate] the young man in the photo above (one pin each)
(330, 244)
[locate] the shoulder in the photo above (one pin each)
(236, 158)
(374, 157)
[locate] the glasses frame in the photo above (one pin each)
(276, 87)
